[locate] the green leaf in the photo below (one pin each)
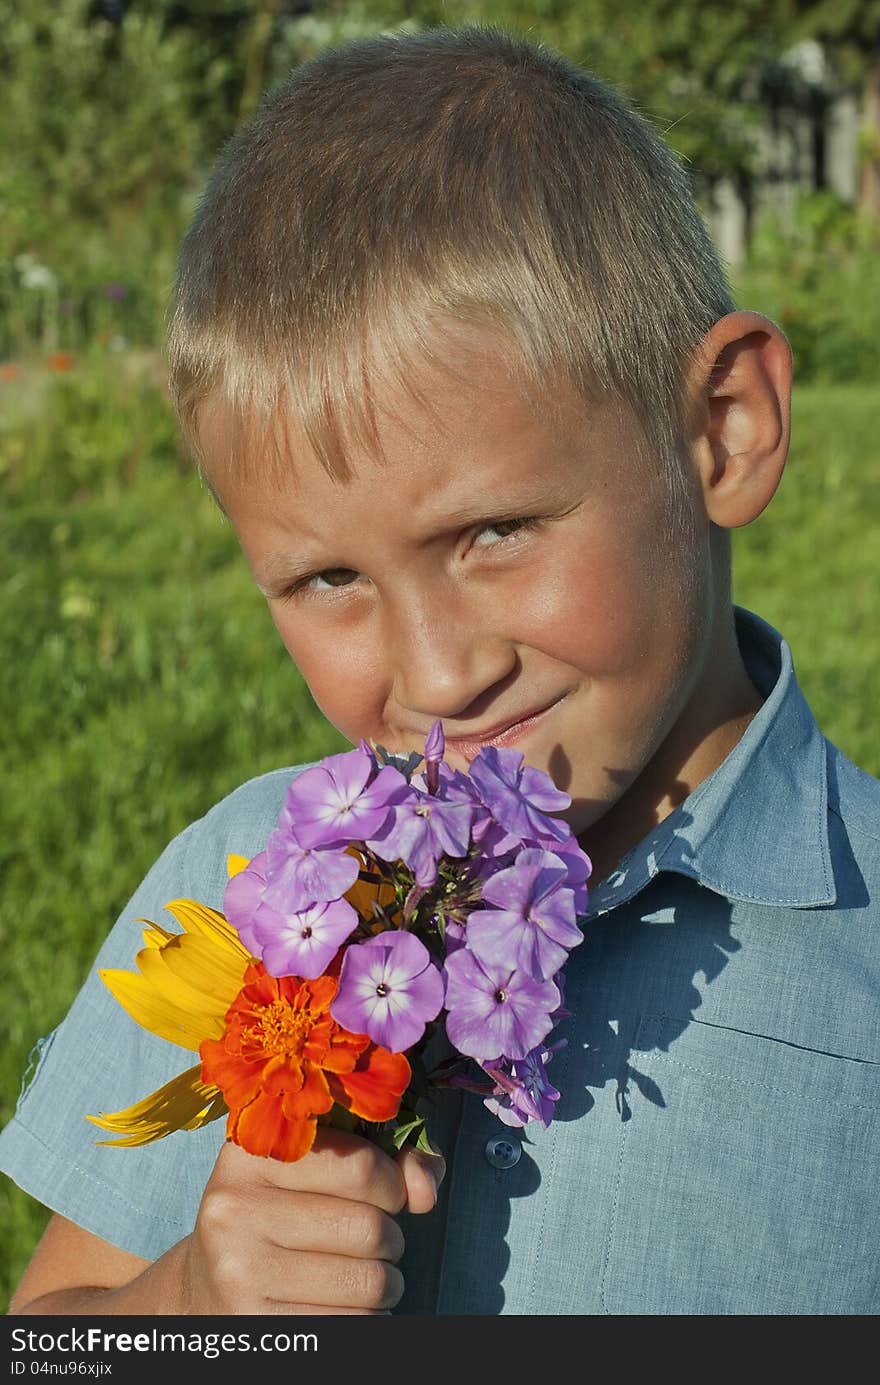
(409, 1129)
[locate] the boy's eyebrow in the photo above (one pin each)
(541, 500)
(278, 570)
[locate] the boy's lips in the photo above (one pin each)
(503, 733)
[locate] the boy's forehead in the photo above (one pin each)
(474, 407)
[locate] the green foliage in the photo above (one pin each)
(809, 564)
(99, 151)
(816, 276)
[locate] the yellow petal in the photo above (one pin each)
(155, 935)
(194, 972)
(162, 1016)
(188, 980)
(184, 1103)
(199, 918)
(235, 863)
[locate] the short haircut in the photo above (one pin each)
(467, 174)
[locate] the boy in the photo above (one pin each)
(459, 363)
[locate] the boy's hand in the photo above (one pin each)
(314, 1236)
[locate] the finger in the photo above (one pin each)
(422, 1175)
(332, 1281)
(339, 1164)
(330, 1225)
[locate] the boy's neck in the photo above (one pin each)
(677, 768)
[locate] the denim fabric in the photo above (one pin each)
(715, 1149)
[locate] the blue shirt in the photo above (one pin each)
(715, 1148)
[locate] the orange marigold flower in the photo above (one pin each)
(283, 1061)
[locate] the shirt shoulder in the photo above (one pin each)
(237, 824)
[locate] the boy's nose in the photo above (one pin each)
(442, 665)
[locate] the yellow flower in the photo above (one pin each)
(184, 986)
(285, 1064)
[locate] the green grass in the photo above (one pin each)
(810, 564)
(142, 677)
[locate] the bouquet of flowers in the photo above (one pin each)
(396, 896)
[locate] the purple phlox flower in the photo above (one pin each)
(435, 746)
(419, 830)
(115, 291)
(297, 876)
(455, 936)
(389, 988)
(497, 849)
(522, 1091)
(533, 926)
(241, 899)
(496, 844)
(579, 865)
(303, 943)
(455, 787)
(493, 1009)
(435, 743)
(519, 796)
(342, 799)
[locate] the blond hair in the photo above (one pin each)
(462, 174)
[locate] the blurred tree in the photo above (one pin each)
(96, 123)
(98, 135)
(850, 30)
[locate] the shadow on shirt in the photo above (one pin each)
(649, 956)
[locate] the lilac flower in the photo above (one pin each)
(343, 799)
(455, 787)
(303, 943)
(534, 925)
(297, 876)
(389, 988)
(519, 796)
(419, 830)
(579, 865)
(241, 899)
(495, 844)
(522, 1091)
(454, 936)
(435, 745)
(494, 1010)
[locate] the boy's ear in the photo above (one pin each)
(740, 390)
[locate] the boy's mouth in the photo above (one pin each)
(504, 733)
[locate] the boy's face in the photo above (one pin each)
(511, 570)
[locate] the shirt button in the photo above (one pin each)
(501, 1153)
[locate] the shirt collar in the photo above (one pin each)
(757, 828)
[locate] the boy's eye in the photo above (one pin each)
(502, 529)
(331, 577)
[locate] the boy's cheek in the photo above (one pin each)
(603, 613)
(344, 681)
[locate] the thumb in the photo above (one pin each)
(422, 1173)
